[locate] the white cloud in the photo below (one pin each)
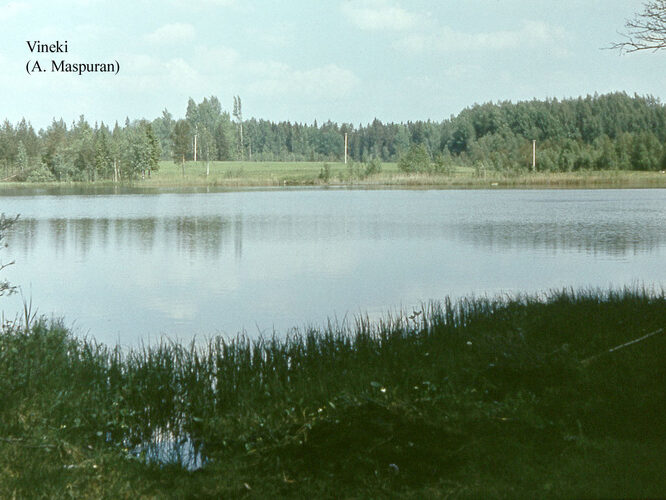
(12, 9)
(459, 71)
(329, 81)
(375, 15)
(179, 69)
(279, 35)
(205, 3)
(151, 74)
(445, 39)
(172, 33)
(218, 58)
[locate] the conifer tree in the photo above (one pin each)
(180, 142)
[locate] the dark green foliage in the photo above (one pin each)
(103, 154)
(40, 174)
(443, 163)
(416, 159)
(646, 152)
(355, 170)
(163, 127)
(600, 132)
(373, 167)
(153, 146)
(22, 162)
(180, 141)
(500, 395)
(497, 135)
(222, 142)
(325, 173)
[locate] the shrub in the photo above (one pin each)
(325, 173)
(373, 167)
(40, 174)
(416, 159)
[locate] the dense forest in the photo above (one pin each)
(600, 132)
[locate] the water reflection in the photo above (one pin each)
(206, 236)
(57, 229)
(126, 267)
(210, 236)
(618, 238)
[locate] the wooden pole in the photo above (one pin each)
(346, 148)
(534, 156)
(195, 145)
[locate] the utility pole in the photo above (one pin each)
(238, 114)
(196, 131)
(533, 155)
(345, 148)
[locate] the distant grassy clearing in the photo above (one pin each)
(272, 173)
(308, 173)
(255, 173)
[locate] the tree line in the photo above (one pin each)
(600, 132)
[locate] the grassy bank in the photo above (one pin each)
(264, 174)
(483, 398)
(239, 174)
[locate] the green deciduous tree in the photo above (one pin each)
(207, 147)
(141, 154)
(163, 126)
(646, 152)
(223, 131)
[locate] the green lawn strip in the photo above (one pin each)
(238, 174)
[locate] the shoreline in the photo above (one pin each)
(420, 406)
(228, 175)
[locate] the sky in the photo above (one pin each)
(347, 61)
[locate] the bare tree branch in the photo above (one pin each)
(647, 30)
(5, 223)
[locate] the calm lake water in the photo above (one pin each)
(130, 267)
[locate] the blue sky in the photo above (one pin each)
(300, 60)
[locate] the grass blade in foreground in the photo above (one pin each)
(484, 397)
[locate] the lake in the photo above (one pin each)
(130, 267)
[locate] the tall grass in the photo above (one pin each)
(435, 394)
(245, 174)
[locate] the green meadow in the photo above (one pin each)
(248, 174)
(559, 395)
(242, 174)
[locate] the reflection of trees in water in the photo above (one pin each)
(103, 235)
(211, 236)
(197, 235)
(58, 234)
(608, 238)
(142, 232)
(21, 236)
(83, 231)
(189, 235)
(238, 237)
